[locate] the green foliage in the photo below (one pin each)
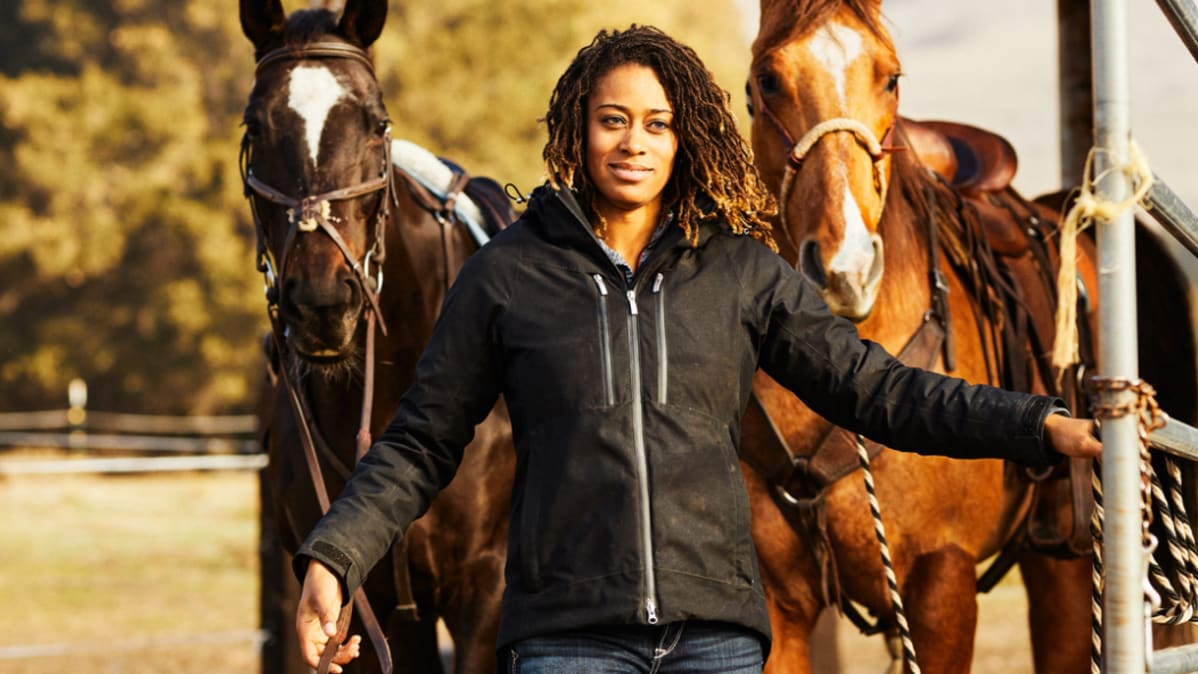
(126, 252)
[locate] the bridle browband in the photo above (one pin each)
(309, 214)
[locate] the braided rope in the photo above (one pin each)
(900, 614)
(1097, 584)
(1171, 596)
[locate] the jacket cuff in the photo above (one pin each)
(1051, 406)
(333, 558)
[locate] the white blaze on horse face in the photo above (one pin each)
(836, 47)
(855, 256)
(313, 92)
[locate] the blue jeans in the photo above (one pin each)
(692, 647)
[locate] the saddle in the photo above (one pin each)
(443, 187)
(976, 162)
(980, 164)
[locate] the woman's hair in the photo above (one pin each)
(713, 159)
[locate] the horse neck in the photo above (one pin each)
(417, 273)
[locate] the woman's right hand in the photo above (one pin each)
(316, 618)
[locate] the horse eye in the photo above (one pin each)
(893, 82)
(767, 83)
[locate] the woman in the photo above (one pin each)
(623, 317)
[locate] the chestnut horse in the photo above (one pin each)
(359, 238)
(910, 258)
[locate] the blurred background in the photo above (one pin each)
(125, 245)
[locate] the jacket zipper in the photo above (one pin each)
(662, 351)
(642, 461)
(609, 392)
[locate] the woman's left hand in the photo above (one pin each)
(1072, 437)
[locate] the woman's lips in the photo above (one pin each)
(630, 172)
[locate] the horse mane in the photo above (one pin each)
(789, 20)
(305, 26)
(928, 198)
(920, 198)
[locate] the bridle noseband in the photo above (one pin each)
(796, 152)
(310, 213)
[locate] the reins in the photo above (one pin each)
(308, 214)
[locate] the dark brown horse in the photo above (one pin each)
(359, 238)
(914, 260)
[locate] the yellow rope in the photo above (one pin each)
(1086, 209)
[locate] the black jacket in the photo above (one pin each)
(626, 403)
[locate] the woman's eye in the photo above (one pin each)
(612, 120)
(659, 125)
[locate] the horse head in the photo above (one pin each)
(823, 94)
(317, 169)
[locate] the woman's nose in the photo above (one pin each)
(631, 143)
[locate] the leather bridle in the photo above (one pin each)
(308, 214)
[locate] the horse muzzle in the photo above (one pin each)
(850, 289)
(322, 327)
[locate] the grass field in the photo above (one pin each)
(158, 574)
(129, 574)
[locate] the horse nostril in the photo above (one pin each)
(354, 288)
(810, 263)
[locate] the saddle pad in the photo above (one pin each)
(436, 177)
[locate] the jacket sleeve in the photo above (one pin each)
(457, 383)
(856, 384)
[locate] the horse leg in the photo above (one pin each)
(471, 613)
(790, 652)
(414, 648)
(944, 619)
(1058, 597)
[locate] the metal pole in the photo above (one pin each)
(1124, 629)
(1183, 16)
(1178, 660)
(1172, 213)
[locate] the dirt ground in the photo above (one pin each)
(143, 574)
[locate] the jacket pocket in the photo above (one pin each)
(663, 351)
(605, 364)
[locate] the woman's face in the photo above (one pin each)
(630, 140)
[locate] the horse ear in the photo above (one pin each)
(362, 20)
(261, 20)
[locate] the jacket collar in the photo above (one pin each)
(560, 219)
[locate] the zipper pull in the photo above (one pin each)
(657, 282)
(651, 611)
(632, 302)
(599, 282)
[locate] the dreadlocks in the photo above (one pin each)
(713, 161)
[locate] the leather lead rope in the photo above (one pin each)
(373, 628)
